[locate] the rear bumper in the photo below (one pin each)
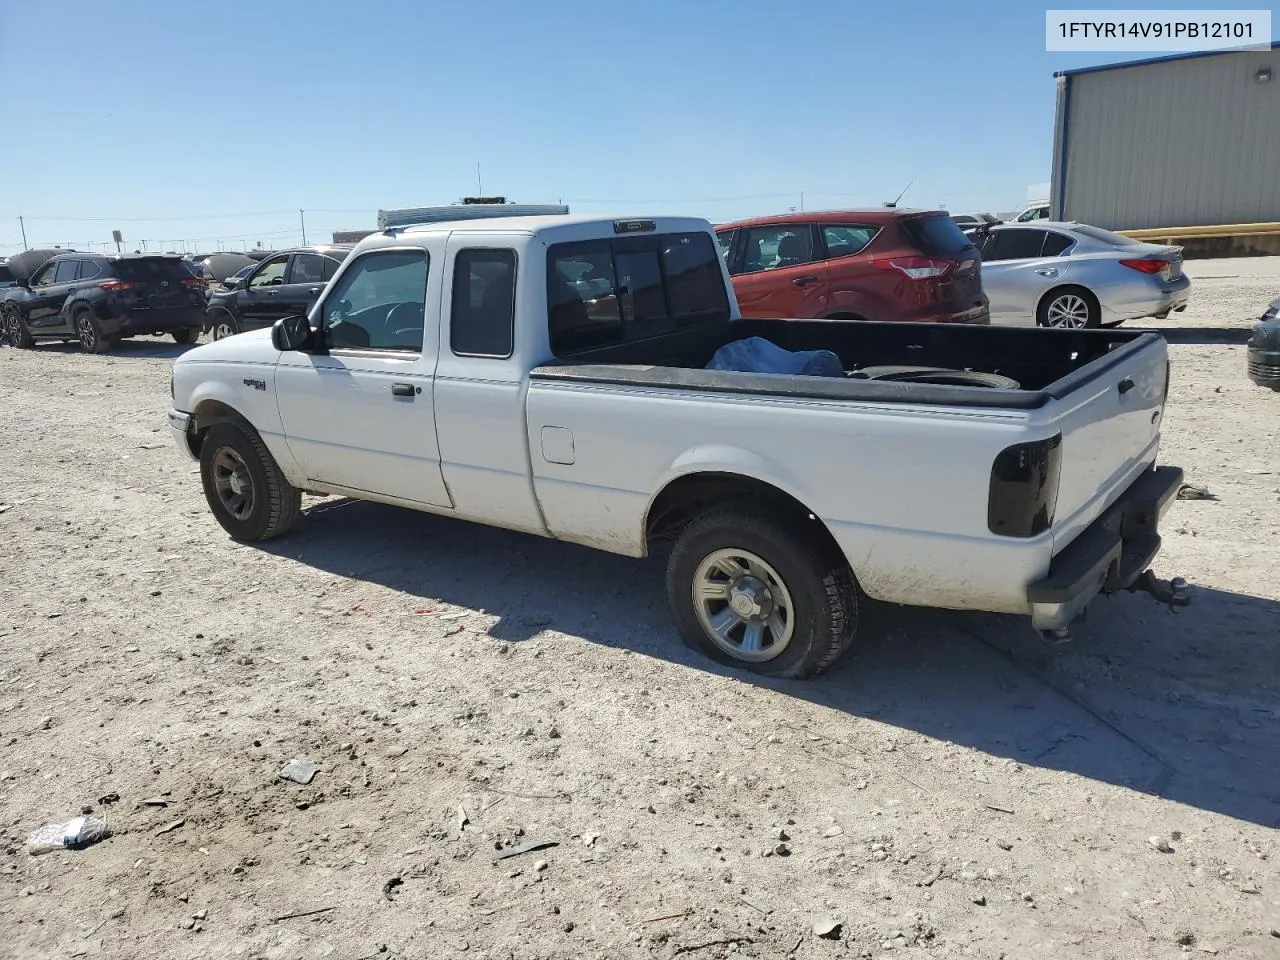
(1110, 555)
(1162, 298)
(151, 321)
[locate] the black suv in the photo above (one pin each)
(99, 299)
(282, 284)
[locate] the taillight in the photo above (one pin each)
(1145, 266)
(1024, 488)
(115, 286)
(916, 268)
(193, 282)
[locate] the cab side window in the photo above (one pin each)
(378, 303)
(481, 320)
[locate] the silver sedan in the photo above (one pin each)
(1072, 275)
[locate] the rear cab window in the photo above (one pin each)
(603, 292)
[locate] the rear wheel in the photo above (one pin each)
(760, 593)
(1069, 308)
(19, 335)
(89, 332)
(244, 486)
(189, 335)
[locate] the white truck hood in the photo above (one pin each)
(252, 347)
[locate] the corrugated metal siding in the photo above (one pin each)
(1185, 143)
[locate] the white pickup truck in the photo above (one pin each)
(548, 375)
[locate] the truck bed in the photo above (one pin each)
(1047, 363)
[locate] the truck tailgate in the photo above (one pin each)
(1110, 427)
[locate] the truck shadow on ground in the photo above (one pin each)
(1184, 706)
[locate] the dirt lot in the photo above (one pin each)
(955, 788)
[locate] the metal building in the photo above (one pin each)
(1188, 140)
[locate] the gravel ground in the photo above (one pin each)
(954, 788)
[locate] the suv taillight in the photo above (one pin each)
(917, 268)
(193, 282)
(115, 286)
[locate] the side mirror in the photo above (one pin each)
(292, 333)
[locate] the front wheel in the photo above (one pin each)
(243, 484)
(186, 336)
(754, 592)
(1069, 308)
(19, 335)
(222, 324)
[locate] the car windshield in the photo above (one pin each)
(1104, 236)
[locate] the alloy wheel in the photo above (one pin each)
(1067, 311)
(743, 605)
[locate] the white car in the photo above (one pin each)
(1072, 275)
(463, 369)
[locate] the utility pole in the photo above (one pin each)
(479, 183)
(302, 215)
(802, 201)
(24, 233)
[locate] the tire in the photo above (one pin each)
(89, 332)
(19, 334)
(804, 580)
(222, 324)
(1069, 308)
(244, 486)
(940, 375)
(184, 337)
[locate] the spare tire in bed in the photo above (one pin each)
(941, 376)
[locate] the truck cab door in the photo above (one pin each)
(778, 272)
(359, 417)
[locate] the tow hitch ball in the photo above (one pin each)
(1172, 593)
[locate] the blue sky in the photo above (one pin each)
(220, 120)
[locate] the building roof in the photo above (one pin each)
(1143, 63)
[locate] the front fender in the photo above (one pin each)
(249, 401)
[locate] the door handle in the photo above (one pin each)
(1125, 385)
(803, 281)
(1048, 272)
(313, 292)
(402, 390)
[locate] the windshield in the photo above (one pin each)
(1104, 236)
(936, 235)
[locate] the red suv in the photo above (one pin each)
(886, 264)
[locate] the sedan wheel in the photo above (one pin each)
(1068, 311)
